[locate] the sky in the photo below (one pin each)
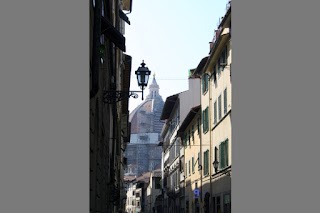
(171, 36)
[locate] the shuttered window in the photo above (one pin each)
(192, 164)
(219, 107)
(205, 83)
(205, 120)
(206, 162)
(215, 112)
(223, 153)
(225, 100)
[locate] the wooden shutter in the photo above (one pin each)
(205, 162)
(215, 112)
(192, 164)
(227, 152)
(225, 100)
(219, 107)
(221, 155)
(203, 121)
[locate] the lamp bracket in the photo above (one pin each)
(114, 96)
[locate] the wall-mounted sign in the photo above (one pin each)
(196, 193)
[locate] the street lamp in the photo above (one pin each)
(215, 162)
(215, 165)
(143, 76)
(111, 96)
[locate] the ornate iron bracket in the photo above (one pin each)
(116, 96)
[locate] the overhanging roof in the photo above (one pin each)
(168, 106)
(226, 17)
(193, 111)
(201, 65)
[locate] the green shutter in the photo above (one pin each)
(192, 164)
(225, 100)
(205, 163)
(203, 118)
(219, 107)
(215, 112)
(223, 151)
(221, 156)
(227, 152)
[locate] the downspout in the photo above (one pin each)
(210, 115)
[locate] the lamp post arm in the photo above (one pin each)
(114, 96)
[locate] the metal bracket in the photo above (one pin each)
(110, 97)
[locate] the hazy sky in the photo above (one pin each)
(171, 36)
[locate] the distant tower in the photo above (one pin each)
(142, 152)
(153, 88)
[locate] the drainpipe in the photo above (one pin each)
(210, 115)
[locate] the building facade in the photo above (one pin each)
(174, 111)
(221, 117)
(216, 120)
(153, 191)
(197, 176)
(190, 133)
(110, 70)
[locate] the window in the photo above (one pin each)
(215, 112)
(199, 161)
(219, 107)
(216, 69)
(189, 168)
(222, 61)
(192, 164)
(185, 139)
(189, 135)
(181, 166)
(158, 183)
(218, 205)
(214, 204)
(206, 162)
(205, 123)
(215, 153)
(225, 100)
(223, 147)
(227, 203)
(205, 83)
